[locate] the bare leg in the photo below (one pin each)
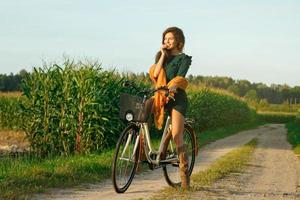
(177, 133)
(177, 127)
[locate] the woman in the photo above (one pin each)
(170, 68)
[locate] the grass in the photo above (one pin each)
(277, 113)
(233, 162)
(19, 177)
(209, 136)
(289, 108)
(293, 136)
(276, 117)
(22, 176)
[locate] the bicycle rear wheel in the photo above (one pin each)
(171, 171)
(125, 159)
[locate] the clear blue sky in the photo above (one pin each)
(257, 40)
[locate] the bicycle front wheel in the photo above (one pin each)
(125, 159)
(171, 171)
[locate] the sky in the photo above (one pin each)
(257, 40)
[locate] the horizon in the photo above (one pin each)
(234, 79)
(256, 41)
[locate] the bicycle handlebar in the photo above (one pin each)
(149, 92)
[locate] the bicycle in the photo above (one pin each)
(129, 145)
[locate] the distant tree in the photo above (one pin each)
(234, 89)
(244, 86)
(12, 82)
(23, 73)
(251, 95)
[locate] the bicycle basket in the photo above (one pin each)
(135, 106)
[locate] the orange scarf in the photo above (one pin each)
(159, 97)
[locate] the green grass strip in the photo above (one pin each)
(233, 162)
(20, 177)
(293, 136)
(210, 136)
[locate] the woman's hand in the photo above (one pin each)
(173, 89)
(159, 64)
(163, 49)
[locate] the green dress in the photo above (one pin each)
(178, 66)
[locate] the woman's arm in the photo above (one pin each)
(160, 62)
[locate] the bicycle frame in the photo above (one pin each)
(147, 142)
(144, 129)
(150, 150)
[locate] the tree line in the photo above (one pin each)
(274, 94)
(12, 82)
(258, 92)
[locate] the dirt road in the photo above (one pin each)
(275, 173)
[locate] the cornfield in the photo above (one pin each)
(212, 109)
(11, 116)
(72, 108)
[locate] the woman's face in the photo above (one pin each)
(170, 41)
